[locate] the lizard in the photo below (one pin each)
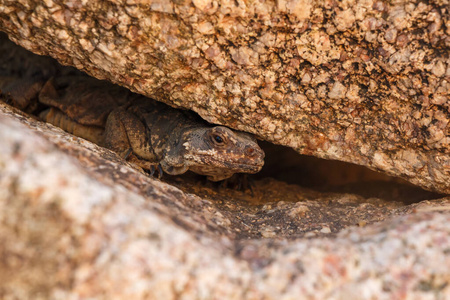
(146, 132)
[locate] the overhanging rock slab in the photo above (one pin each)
(365, 82)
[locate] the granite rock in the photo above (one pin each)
(365, 82)
(77, 222)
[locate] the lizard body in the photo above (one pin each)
(147, 132)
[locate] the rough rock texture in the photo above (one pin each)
(94, 228)
(365, 82)
(359, 81)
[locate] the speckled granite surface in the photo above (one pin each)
(365, 82)
(77, 223)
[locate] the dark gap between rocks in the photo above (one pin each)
(284, 164)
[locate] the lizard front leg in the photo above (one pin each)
(127, 135)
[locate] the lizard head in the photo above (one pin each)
(219, 152)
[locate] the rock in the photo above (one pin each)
(77, 222)
(361, 82)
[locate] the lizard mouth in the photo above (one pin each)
(240, 165)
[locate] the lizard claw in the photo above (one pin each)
(160, 171)
(153, 170)
(128, 154)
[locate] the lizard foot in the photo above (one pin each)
(240, 182)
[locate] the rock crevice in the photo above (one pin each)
(364, 82)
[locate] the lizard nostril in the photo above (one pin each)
(250, 151)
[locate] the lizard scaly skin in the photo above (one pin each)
(148, 132)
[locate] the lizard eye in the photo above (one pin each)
(217, 139)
